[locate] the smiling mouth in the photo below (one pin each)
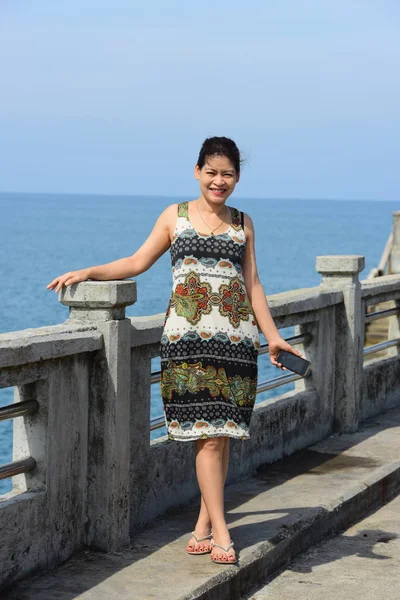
(218, 191)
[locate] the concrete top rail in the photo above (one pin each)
(303, 299)
(146, 330)
(33, 345)
(386, 287)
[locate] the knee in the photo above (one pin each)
(212, 445)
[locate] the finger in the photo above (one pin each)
(52, 283)
(61, 283)
(70, 281)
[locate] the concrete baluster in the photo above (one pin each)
(394, 330)
(341, 271)
(103, 304)
(394, 260)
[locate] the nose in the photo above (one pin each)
(219, 180)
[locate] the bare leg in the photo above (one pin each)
(203, 525)
(211, 477)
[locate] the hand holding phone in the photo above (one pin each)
(294, 363)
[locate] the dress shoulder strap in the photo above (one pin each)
(183, 209)
(237, 219)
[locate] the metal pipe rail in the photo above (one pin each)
(380, 314)
(381, 346)
(17, 467)
(159, 422)
(19, 409)
(11, 411)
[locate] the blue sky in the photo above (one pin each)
(117, 97)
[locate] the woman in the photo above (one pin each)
(210, 339)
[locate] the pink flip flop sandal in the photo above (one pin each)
(223, 562)
(206, 537)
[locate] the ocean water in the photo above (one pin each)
(45, 235)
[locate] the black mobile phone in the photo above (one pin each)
(294, 363)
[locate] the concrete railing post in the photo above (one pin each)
(394, 260)
(342, 272)
(103, 304)
(394, 329)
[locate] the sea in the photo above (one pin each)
(45, 235)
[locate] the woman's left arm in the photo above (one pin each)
(258, 298)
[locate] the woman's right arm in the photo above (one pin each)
(156, 244)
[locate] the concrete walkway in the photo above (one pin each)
(363, 562)
(273, 517)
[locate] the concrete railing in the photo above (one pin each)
(94, 476)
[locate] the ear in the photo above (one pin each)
(237, 177)
(197, 172)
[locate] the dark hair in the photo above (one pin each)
(220, 146)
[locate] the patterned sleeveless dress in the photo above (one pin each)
(210, 341)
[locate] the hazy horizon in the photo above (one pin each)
(185, 196)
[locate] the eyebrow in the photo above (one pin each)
(224, 170)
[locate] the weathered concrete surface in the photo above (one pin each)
(99, 294)
(302, 300)
(146, 330)
(380, 389)
(388, 288)
(273, 516)
(343, 271)
(394, 260)
(98, 300)
(362, 563)
(108, 498)
(45, 525)
(20, 348)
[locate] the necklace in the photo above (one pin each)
(215, 228)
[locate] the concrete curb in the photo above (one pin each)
(269, 557)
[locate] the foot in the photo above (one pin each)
(223, 552)
(201, 545)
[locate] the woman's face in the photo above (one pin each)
(217, 178)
